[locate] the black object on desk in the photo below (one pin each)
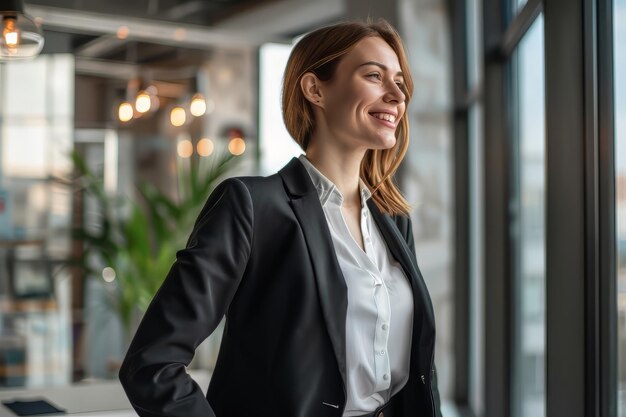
(32, 407)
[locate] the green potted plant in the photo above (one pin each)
(137, 239)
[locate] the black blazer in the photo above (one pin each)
(261, 254)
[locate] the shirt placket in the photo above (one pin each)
(381, 337)
(382, 366)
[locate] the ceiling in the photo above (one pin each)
(145, 32)
(117, 42)
(195, 12)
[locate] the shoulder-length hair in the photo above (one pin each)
(319, 52)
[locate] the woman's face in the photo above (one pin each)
(364, 101)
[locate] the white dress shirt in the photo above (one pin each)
(380, 304)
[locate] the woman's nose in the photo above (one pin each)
(395, 93)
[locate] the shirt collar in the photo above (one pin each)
(326, 190)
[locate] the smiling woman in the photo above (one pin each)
(327, 313)
(319, 56)
(359, 106)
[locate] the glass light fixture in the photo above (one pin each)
(21, 35)
(198, 105)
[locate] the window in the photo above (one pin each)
(619, 34)
(36, 122)
(276, 145)
(527, 224)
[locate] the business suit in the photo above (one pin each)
(262, 254)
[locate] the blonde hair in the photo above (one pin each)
(319, 52)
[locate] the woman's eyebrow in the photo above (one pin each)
(382, 66)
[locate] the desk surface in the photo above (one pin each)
(93, 399)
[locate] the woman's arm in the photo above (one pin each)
(188, 307)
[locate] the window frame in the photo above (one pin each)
(580, 205)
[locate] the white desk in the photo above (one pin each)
(96, 399)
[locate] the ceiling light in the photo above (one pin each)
(143, 102)
(125, 111)
(178, 117)
(21, 36)
(198, 105)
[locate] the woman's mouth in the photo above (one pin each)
(385, 119)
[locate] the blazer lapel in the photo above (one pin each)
(329, 278)
(423, 315)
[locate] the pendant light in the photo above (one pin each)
(20, 36)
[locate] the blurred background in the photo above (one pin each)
(115, 132)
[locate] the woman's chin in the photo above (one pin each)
(386, 143)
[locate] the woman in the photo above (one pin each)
(326, 311)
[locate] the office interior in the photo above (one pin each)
(113, 136)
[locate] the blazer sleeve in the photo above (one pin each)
(406, 228)
(189, 305)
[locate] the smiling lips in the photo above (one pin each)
(387, 119)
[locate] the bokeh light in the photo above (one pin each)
(122, 32)
(205, 147)
(125, 111)
(108, 274)
(185, 148)
(143, 102)
(178, 116)
(198, 105)
(237, 146)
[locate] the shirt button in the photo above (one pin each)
(382, 352)
(386, 377)
(385, 327)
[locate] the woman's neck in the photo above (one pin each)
(341, 167)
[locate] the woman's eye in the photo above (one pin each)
(375, 75)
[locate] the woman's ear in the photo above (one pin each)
(311, 88)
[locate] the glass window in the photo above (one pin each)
(619, 34)
(528, 228)
(515, 7)
(277, 146)
(36, 127)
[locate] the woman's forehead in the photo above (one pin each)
(373, 49)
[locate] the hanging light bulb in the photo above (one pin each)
(198, 105)
(125, 111)
(143, 102)
(10, 35)
(178, 116)
(21, 35)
